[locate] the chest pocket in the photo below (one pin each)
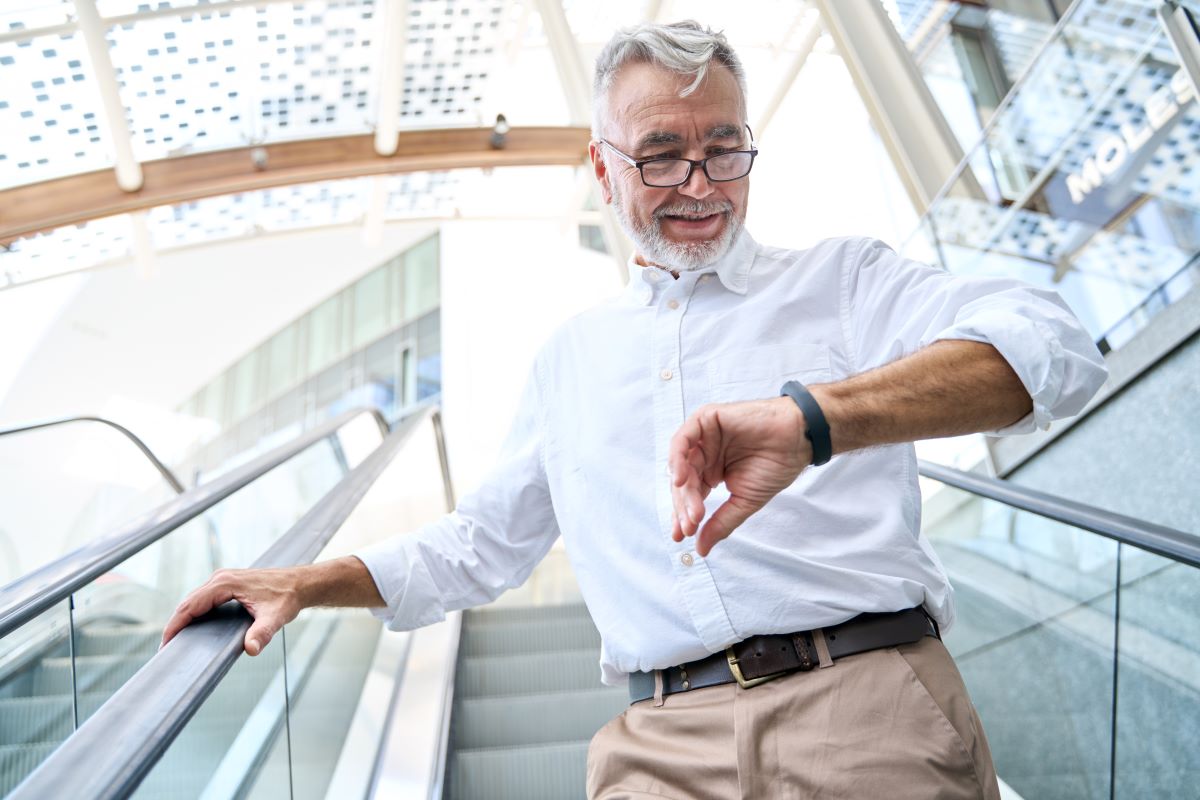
(757, 373)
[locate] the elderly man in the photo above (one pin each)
(726, 450)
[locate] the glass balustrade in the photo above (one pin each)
(1081, 654)
(62, 486)
(58, 669)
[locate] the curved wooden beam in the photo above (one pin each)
(37, 207)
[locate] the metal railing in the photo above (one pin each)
(162, 468)
(37, 591)
(110, 754)
(1159, 539)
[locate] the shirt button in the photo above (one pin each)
(652, 274)
(665, 374)
(686, 559)
(674, 304)
(704, 278)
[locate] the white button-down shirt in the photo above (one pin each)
(587, 454)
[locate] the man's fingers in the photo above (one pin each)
(724, 521)
(260, 634)
(198, 603)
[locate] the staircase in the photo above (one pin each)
(527, 701)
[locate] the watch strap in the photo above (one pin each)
(816, 428)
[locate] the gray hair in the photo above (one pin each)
(683, 47)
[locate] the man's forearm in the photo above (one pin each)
(343, 582)
(950, 388)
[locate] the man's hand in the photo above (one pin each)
(270, 595)
(275, 596)
(757, 448)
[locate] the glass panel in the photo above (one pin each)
(36, 687)
(1086, 181)
(382, 367)
(61, 487)
(421, 290)
(1033, 639)
(246, 394)
(230, 746)
(429, 360)
(329, 655)
(1158, 677)
(335, 719)
(119, 616)
(370, 307)
(324, 341)
(281, 361)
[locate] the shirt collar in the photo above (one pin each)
(733, 269)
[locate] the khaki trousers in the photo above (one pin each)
(883, 725)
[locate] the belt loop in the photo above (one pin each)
(822, 646)
(658, 688)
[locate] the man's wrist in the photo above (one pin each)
(816, 427)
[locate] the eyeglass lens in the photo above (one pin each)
(674, 171)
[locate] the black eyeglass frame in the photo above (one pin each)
(702, 163)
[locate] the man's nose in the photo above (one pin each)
(697, 186)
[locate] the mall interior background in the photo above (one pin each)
(1057, 142)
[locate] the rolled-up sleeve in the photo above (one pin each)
(489, 543)
(896, 306)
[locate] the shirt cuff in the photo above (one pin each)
(404, 583)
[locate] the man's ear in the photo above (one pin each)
(601, 171)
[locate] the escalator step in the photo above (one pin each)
(26, 720)
(534, 719)
(542, 772)
(31, 720)
(515, 638)
(92, 673)
(18, 760)
(482, 617)
(123, 639)
(569, 670)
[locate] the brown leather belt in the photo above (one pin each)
(763, 658)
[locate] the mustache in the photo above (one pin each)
(694, 208)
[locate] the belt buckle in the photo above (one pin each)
(735, 668)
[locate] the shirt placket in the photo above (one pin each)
(692, 573)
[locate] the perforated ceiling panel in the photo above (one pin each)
(215, 219)
(210, 80)
(63, 250)
(49, 111)
(449, 56)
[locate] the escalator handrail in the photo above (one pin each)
(162, 468)
(113, 751)
(1159, 539)
(39, 590)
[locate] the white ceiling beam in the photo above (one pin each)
(567, 60)
(915, 133)
(94, 31)
(393, 35)
(576, 87)
(808, 40)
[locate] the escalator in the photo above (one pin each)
(1076, 635)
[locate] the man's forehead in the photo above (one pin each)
(645, 103)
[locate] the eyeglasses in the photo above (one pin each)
(665, 172)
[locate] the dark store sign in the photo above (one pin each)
(1114, 152)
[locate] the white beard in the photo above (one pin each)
(679, 256)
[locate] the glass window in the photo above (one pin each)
(324, 340)
(421, 287)
(370, 307)
(245, 385)
(281, 361)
